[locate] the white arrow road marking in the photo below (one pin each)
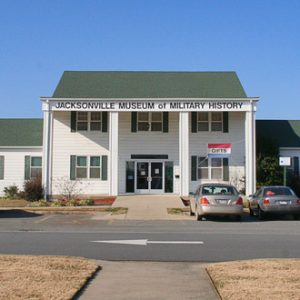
(146, 242)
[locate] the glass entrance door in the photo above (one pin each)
(142, 178)
(149, 177)
(156, 176)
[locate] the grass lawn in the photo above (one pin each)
(13, 203)
(257, 279)
(43, 277)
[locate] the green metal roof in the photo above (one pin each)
(286, 133)
(93, 84)
(21, 132)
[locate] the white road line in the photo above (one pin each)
(144, 242)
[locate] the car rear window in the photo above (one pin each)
(219, 190)
(277, 191)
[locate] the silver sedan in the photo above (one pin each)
(274, 200)
(216, 199)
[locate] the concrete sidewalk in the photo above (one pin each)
(150, 280)
(150, 207)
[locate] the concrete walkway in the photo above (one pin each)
(150, 280)
(150, 207)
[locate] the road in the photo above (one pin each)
(213, 240)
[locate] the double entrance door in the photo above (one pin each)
(149, 177)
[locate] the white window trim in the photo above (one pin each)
(150, 121)
(89, 121)
(88, 168)
(209, 167)
(210, 122)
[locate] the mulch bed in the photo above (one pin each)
(104, 201)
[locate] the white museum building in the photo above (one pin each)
(137, 133)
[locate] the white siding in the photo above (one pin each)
(67, 143)
(235, 136)
(14, 166)
(147, 143)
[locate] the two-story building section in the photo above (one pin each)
(148, 132)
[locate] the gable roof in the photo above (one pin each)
(21, 132)
(285, 133)
(118, 84)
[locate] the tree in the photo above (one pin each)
(268, 170)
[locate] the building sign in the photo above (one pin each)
(219, 150)
(145, 105)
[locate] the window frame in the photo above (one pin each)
(89, 121)
(88, 167)
(209, 168)
(150, 122)
(210, 121)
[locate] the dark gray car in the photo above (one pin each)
(274, 200)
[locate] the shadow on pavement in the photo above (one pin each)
(246, 218)
(17, 213)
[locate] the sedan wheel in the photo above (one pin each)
(261, 214)
(251, 213)
(192, 213)
(198, 217)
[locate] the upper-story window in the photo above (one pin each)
(89, 121)
(149, 121)
(210, 121)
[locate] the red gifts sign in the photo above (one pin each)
(219, 150)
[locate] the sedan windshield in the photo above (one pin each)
(277, 191)
(218, 190)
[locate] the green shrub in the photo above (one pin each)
(33, 189)
(86, 202)
(58, 202)
(40, 203)
(11, 192)
(72, 202)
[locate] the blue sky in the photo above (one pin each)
(260, 40)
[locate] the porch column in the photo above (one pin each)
(114, 152)
(184, 153)
(47, 150)
(250, 149)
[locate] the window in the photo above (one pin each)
(82, 120)
(95, 167)
(149, 121)
(35, 166)
(216, 168)
(216, 121)
(81, 167)
(210, 168)
(88, 167)
(210, 121)
(202, 167)
(91, 121)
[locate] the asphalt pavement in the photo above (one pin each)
(154, 258)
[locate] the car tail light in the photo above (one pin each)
(204, 201)
(239, 201)
(266, 201)
(298, 201)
